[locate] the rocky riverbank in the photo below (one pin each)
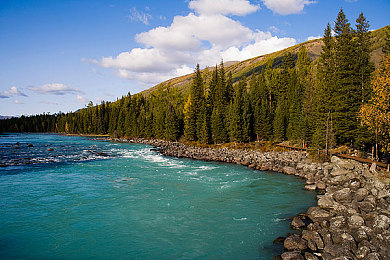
(352, 218)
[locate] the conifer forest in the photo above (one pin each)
(337, 99)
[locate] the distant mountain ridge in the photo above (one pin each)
(256, 64)
(5, 117)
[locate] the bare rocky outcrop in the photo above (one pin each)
(352, 218)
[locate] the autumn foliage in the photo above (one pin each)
(376, 114)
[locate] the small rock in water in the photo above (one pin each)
(297, 223)
(50, 149)
(310, 187)
(30, 145)
(279, 240)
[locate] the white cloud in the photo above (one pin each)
(285, 7)
(13, 91)
(259, 47)
(201, 37)
(224, 7)
(188, 32)
(313, 37)
(137, 16)
(54, 89)
(81, 99)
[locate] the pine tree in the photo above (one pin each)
(204, 133)
(347, 96)
(220, 105)
(236, 113)
(261, 121)
(193, 106)
(324, 89)
(295, 119)
(171, 124)
(247, 118)
(304, 70)
(189, 120)
(364, 67)
(280, 121)
(218, 125)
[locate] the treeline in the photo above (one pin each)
(301, 101)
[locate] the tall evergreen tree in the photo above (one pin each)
(171, 124)
(347, 96)
(304, 70)
(204, 133)
(364, 67)
(218, 117)
(236, 113)
(280, 121)
(195, 100)
(295, 129)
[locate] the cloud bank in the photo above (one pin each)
(285, 7)
(13, 91)
(204, 36)
(54, 89)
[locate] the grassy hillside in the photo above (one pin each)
(256, 64)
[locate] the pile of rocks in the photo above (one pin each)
(352, 219)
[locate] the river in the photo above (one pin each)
(69, 197)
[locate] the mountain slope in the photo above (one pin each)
(256, 64)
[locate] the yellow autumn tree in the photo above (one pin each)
(376, 113)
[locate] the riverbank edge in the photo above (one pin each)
(352, 216)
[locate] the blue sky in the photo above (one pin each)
(59, 55)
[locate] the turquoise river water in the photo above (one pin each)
(66, 197)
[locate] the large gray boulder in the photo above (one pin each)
(337, 223)
(295, 243)
(381, 223)
(338, 171)
(292, 256)
(360, 194)
(314, 240)
(343, 195)
(316, 214)
(326, 202)
(297, 223)
(355, 221)
(289, 170)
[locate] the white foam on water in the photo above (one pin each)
(150, 156)
(206, 168)
(278, 219)
(240, 219)
(225, 186)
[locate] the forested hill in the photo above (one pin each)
(256, 64)
(322, 92)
